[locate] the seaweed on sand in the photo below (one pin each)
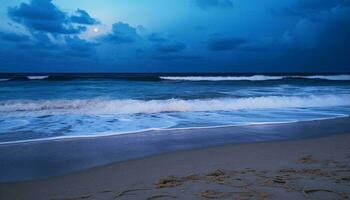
(171, 181)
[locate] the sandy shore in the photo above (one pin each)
(51, 158)
(301, 169)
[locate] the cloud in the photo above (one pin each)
(43, 42)
(157, 38)
(13, 37)
(225, 44)
(307, 8)
(122, 33)
(176, 57)
(317, 5)
(40, 45)
(165, 44)
(258, 48)
(320, 36)
(44, 16)
(327, 26)
(171, 47)
(79, 47)
(82, 17)
(206, 4)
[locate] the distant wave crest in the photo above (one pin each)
(343, 77)
(130, 106)
(37, 77)
(330, 77)
(222, 78)
(253, 78)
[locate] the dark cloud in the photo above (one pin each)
(170, 47)
(172, 57)
(321, 35)
(13, 37)
(255, 48)
(225, 44)
(157, 38)
(317, 5)
(37, 10)
(164, 44)
(38, 42)
(44, 16)
(82, 17)
(141, 28)
(53, 36)
(43, 42)
(122, 33)
(305, 8)
(42, 46)
(206, 4)
(307, 35)
(78, 47)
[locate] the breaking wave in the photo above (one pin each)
(253, 78)
(130, 106)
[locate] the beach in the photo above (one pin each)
(311, 168)
(166, 100)
(166, 136)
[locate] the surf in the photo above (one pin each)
(37, 77)
(133, 106)
(254, 78)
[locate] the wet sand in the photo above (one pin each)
(44, 159)
(300, 169)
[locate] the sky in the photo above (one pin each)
(237, 36)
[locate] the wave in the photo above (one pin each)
(253, 78)
(151, 77)
(37, 77)
(222, 78)
(130, 106)
(329, 77)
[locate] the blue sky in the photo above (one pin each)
(175, 36)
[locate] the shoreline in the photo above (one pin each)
(41, 160)
(344, 116)
(296, 169)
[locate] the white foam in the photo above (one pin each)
(252, 78)
(37, 77)
(130, 106)
(222, 78)
(329, 77)
(4, 79)
(106, 134)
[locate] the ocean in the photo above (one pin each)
(45, 107)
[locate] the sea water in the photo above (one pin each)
(43, 107)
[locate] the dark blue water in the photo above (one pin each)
(44, 107)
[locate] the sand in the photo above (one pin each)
(300, 169)
(57, 157)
